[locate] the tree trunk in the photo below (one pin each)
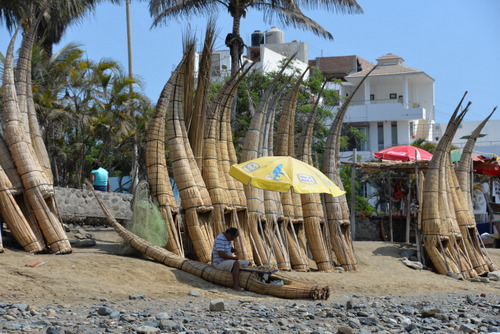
(235, 44)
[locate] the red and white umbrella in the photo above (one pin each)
(403, 153)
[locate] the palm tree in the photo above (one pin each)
(288, 12)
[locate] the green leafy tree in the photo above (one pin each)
(288, 13)
(87, 111)
(425, 145)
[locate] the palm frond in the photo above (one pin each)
(161, 10)
(291, 16)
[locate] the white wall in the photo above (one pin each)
(382, 112)
(487, 144)
(271, 61)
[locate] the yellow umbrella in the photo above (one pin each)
(279, 173)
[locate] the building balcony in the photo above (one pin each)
(384, 110)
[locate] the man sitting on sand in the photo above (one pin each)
(223, 258)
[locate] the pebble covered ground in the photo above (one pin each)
(449, 313)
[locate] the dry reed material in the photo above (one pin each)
(337, 210)
(27, 105)
(196, 116)
(35, 131)
(212, 172)
(464, 166)
(7, 164)
(38, 193)
(194, 195)
(285, 146)
(248, 280)
(157, 170)
(441, 234)
(253, 147)
(15, 220)
(311, 203)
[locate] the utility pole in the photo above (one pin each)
(134, 173)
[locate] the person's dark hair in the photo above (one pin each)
(95, 165)
(233, 231)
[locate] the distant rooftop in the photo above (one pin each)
(389, 64)
(341, 66)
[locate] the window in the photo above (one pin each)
(393, 96)
(380, 135)
(394, 133)
(357, 136)
(372, 97)
(215, 66)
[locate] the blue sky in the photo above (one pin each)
(455, 42)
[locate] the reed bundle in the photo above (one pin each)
(39, 192)
(28, 236)
(194, 196)
(293, 224)
(464, 166)
(312, 207)
(248, 280)
(7, 164)
(253, 147)
(227, 194)
(157, 170)
(441, 234)
(337, 210)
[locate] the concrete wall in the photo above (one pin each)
(77, 205)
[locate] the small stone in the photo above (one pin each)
(494, 275)
(466, 329)
(217, 305)
(147, 330)
(194, 293)
(345, 330)
(452, 275)
(429, 312)
(52, 330)
(136, 297)
(104, 311)
(162, 315)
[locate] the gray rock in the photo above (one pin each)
(162, 315)
(217, 305)
(115, 315)
(429, 312)
(194, 293)
(412, 264)
(147, 330)
(345, 330)
(136, 297)
(464, 328)
(52, 330)
(83, 243)
(236, 331)
(104, 310)
(494, 275)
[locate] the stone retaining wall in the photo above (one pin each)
(80, 206)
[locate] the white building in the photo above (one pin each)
(488, 141)
(269, 50)
(394, 106)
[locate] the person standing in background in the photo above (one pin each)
(99, 177)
